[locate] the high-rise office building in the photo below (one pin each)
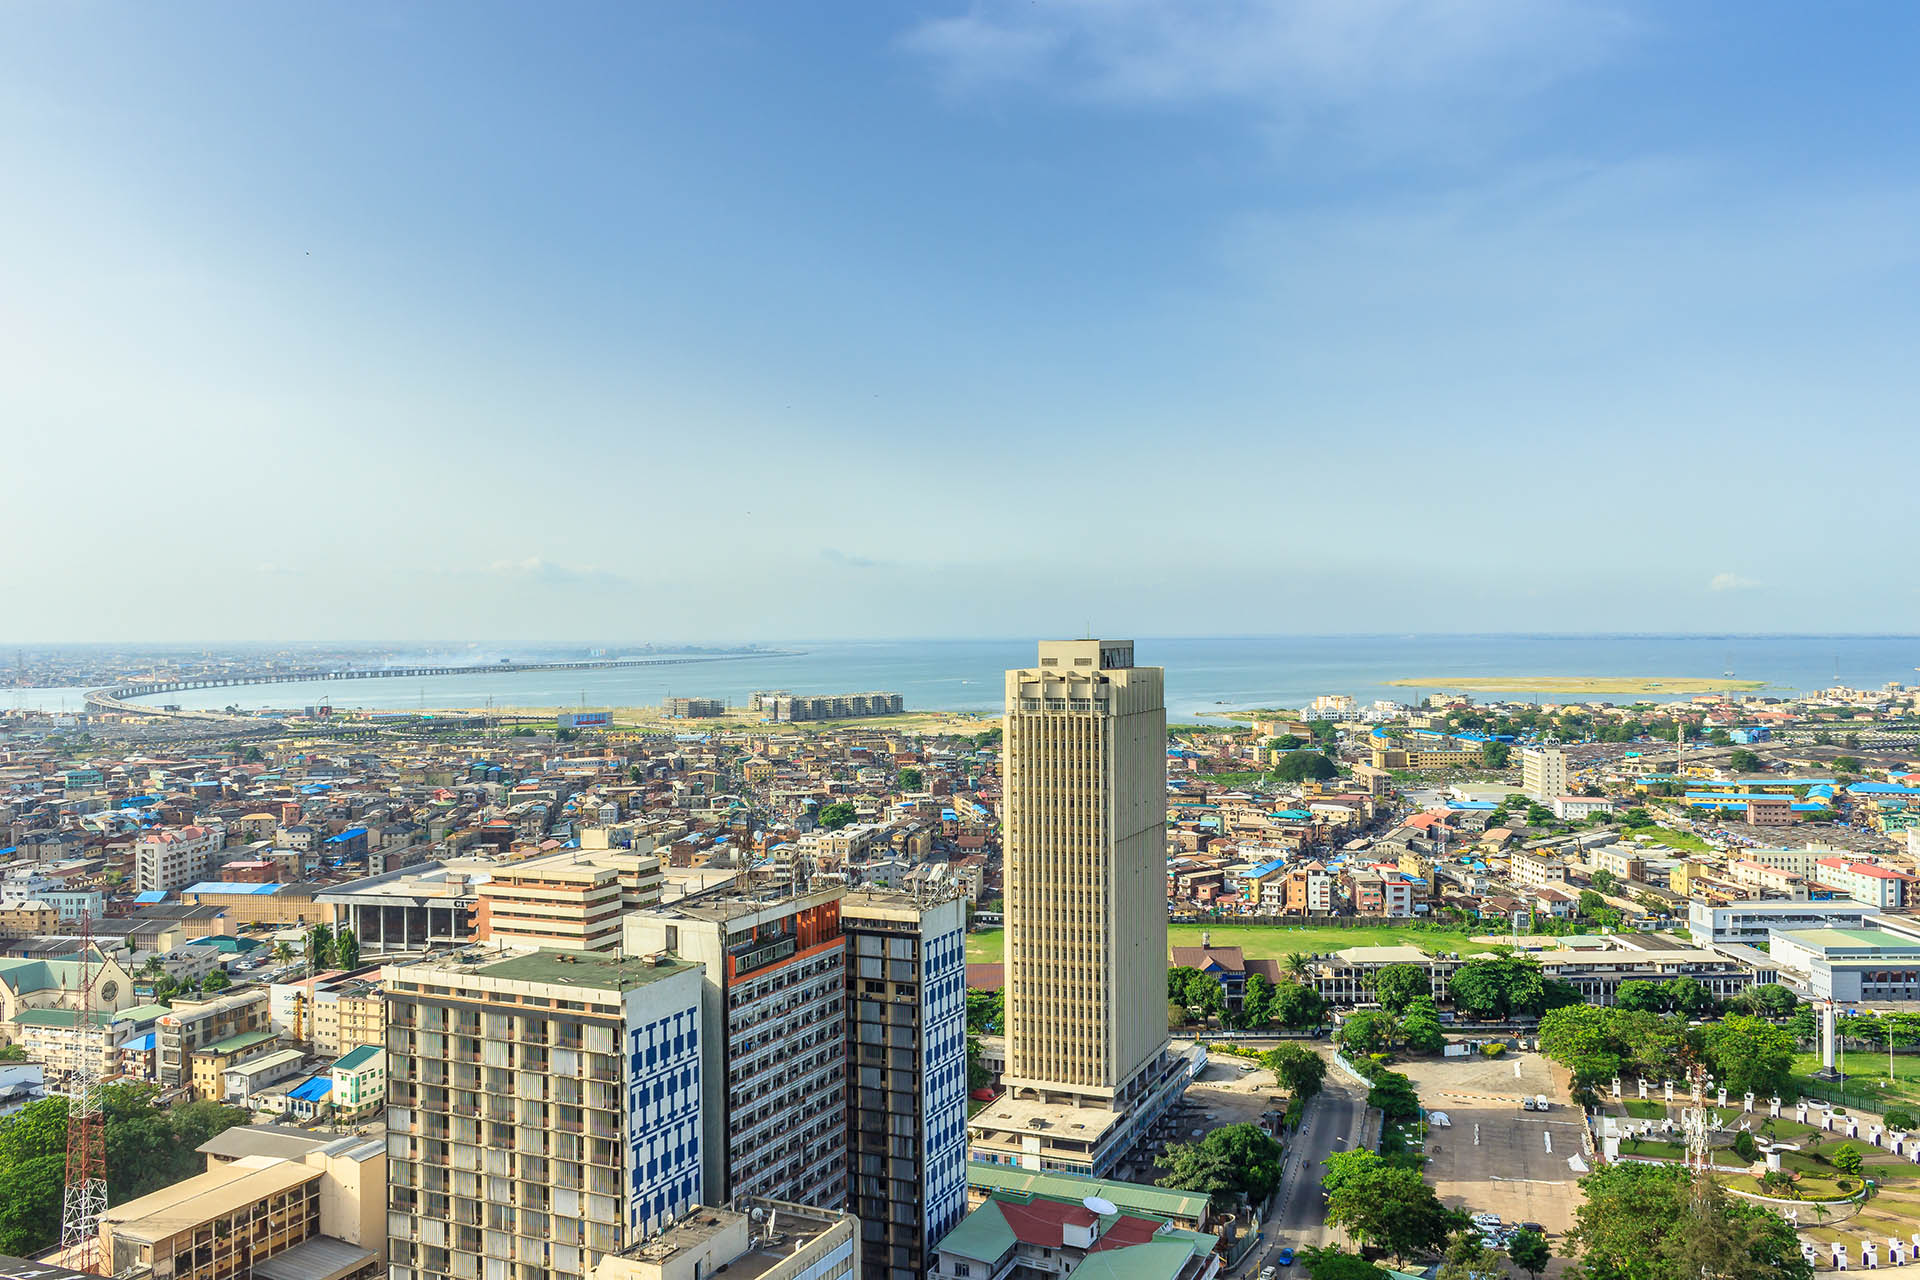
(1085, 892)
(907, 1065)
(1543, 773)
(543, 1110)
(773, 1035)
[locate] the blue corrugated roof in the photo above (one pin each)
(346, 835)
(313, 1090)
(154, 895)
(140, 1044)
(229, 886)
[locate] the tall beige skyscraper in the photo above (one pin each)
(1085, 784)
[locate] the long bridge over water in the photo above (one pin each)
(115, 699)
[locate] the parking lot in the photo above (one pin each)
(1495, 1156)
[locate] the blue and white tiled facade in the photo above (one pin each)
(943, 1016)
(663, 1116)
(907, 1146)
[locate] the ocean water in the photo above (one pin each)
(1203, 675)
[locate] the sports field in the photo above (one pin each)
(1276, 942)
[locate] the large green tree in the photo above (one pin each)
(1298, 1069)
(1749, 1055)
(320, 947)
(1256, 1001)
(1529, 1252)
(1766, 1000)
(1394, 1097)
(1497, 986)
(1326, 1263)
(1304, 766)
(834, 816)
(1468, 1257)
(1234, 1162)
(1398, 984)
(1420, 1027)
(1298, 1006)
(1386, 1206)
(986, 1011)
(148, 1148)
(1368, 1031)
(1654, 1222)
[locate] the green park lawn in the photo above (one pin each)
(1645, 1108)
(1867, 1082)
(1276, 942)
(1685, 841)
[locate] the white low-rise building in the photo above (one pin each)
(1751, 922)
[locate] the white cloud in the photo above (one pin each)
(834, 555)
(1299, 59)
(548, 573)
(1730, 582)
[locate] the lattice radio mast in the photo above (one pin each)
(86, 1198)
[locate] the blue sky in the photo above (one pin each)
(768, 321)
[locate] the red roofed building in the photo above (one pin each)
(1020, 1236)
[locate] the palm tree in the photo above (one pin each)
(1297, 967)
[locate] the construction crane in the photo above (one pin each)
(86, 1197)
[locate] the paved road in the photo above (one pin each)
(1333, 1123)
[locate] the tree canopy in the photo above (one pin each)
(1749, 1055)
(1338, 1264)
(1397, 984)
(1656, 1222)
(147, 1148)
(1298, 1069)
(1499, 986)
(1389, 1207)
(1304, 766)
(834, 816)
(1298, 1006)
(1234, 1162)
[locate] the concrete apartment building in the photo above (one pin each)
(1088, 1067)
(192, 1025)
(1536, 869)
(907, 1076)
(543, 1110)
(693, 708)
(1771, 882)
(838, 706)
(294, 1210)
(1307, 890)
(774, 1049)
(755, 1239)
(1543, 773)
(173, 857)
(550, 902)
(1865, 882)
(1386, 894)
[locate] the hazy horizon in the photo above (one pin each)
(667, 644)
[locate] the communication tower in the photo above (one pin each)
(86, 1197)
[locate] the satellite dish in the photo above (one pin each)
(1099, 1206)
